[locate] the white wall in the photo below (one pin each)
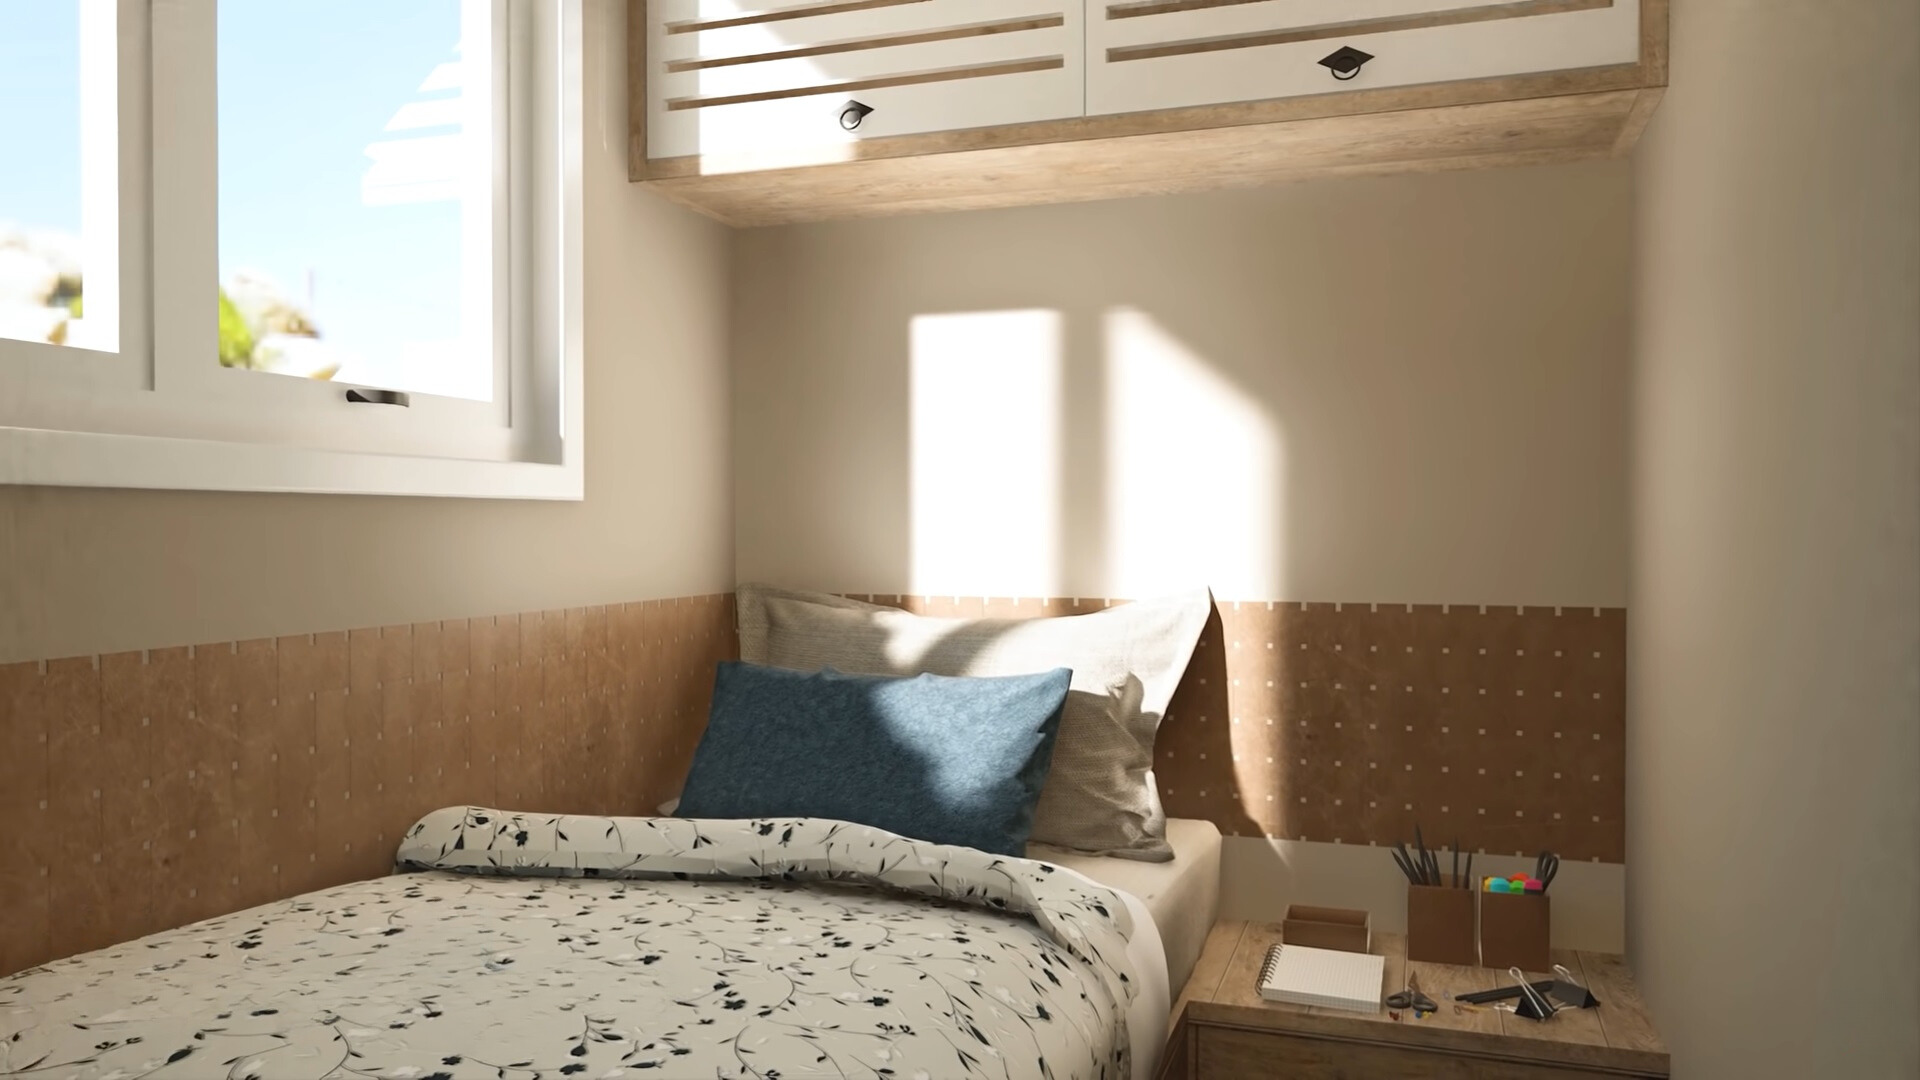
(1400, 390)
(1773, 797)
(85, 571)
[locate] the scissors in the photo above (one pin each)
(1412, 998)
(1545, 868)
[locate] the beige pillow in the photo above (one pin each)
(1100, 795)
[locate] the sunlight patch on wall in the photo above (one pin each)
(1194, 470)
(986, 420)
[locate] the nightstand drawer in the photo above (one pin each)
(1233, 1054)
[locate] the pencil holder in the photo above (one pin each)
(1515, 931)
(1440, 925)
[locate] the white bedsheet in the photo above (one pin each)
(1183, 895)
(1147, 1016)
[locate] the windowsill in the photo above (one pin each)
(39, 457)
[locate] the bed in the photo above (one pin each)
(520, 947)
(1183, 895)
(770, 927)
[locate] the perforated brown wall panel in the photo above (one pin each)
(1349, 723)
(140, 791)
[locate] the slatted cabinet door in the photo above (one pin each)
(1160, 54)
(755, 84)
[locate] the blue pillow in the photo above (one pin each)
(934, 757)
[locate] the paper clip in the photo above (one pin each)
(1569, 990)
(1533, 1004)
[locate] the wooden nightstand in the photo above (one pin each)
(1222, 1030)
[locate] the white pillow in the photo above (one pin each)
(1100, 795)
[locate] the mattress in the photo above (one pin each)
(594, 947)
(1183, 895)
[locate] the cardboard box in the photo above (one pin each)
(1440, 925)
(1328, 928)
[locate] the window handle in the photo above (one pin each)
(379, 397)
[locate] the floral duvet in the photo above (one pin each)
(523, 947)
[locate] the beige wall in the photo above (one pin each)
(94, 571)
(1409, 389)
(1773, 777)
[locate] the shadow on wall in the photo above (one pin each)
(1188, 731)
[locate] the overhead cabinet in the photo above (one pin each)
(764, 84)
(1165, 54)
(770, 111)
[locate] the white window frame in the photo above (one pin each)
(161, 413)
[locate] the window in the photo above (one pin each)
(235, 213)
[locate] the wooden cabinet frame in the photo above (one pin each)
(1544, 118)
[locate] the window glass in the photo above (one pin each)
(42, 249)
(356, 191)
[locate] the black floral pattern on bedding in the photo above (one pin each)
(527, 947)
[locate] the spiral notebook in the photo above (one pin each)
(1298, 975)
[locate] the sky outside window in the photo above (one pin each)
(40, 249)
(343, 192)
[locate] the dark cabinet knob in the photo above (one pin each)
(852, 113)
(1345, 62)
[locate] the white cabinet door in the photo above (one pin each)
(1160, 54)
(767, 83)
